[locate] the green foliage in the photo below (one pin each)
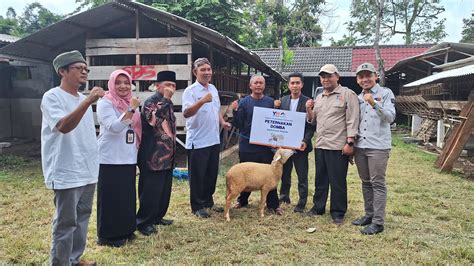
(416, 20)
(468, 30)
(220, 15)
(347, 40)
(34, 18)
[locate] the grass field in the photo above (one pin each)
(430, 219)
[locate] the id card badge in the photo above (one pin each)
(130, 136)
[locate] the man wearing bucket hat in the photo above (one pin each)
(372, 148)
(336, 112)
(69, 156)
(156, 155)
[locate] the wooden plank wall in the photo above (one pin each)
(178, 45)
(183, 72)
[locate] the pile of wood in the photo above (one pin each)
(457, 139)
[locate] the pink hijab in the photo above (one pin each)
(122, 103)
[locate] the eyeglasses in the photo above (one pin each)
(81, 69)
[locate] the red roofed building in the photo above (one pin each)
(308, 61)
(391, 54)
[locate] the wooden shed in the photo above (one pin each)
(142, 40)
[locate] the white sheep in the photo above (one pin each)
(250, 176)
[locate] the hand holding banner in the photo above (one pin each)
(277, 128)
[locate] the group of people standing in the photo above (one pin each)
(347, 127)
(352, 126)
(74, 160)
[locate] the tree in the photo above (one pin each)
(9, 24)
(219, 15)
(380, 4)
(468, 30)
(36, 17)
(416, 20)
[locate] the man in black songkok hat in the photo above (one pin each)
(156, 155)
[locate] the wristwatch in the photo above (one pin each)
(350, 143)
(130, 110)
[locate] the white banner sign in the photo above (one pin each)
(275, 127)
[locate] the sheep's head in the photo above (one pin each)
(282, 155)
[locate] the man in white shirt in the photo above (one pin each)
(70, 156)
(201, 108)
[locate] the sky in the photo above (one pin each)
(333, 26)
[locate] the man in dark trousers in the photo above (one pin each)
(201, 108)
(296, 102)
(156, 155)
(243, 112)
(336, 113)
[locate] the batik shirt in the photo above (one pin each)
(158, 146)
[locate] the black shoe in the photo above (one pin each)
(131, 237)
(314, 212)
(217, 209)
(372, 229)
(277, 210)
(111, 243)
(285, 199)
(165, 222)
(239, 205)
(202, 213)
(362, 221)
(338, 220)
(148, 230)
(298, 209)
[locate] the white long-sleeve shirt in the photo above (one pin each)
(113, 148)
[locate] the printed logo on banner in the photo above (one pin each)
(278, 114)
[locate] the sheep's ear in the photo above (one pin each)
(277, 158)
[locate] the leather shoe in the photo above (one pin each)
(131, 237)
(299, 209)
(165, 222)
(277, 211)
(372, 229)
(111, 243)
(86, 263)
(239, 205)
(148, 230)
(338, 220)
(362, 221)
(285, 199)
(217, 209)
(202, 213)
(314, 212)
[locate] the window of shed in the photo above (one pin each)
(21, 73)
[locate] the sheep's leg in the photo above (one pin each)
(228, 201)
(263, 201)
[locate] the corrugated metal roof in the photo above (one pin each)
(462, 71)
(115, 19)
(8, 38)
(437, 53)
(347, 59)
(310, 59)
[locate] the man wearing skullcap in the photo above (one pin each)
(69, 156)
(201, 108)
(156, 155)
